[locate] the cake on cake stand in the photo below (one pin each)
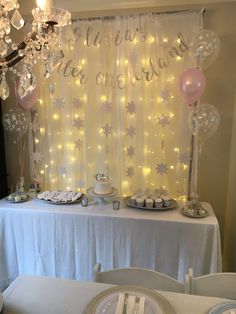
(102, 198)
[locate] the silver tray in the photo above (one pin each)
(106, 301)
(128, 203)
(61, 203)
(15, 202)
(223, 308)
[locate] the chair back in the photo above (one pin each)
(139, 277)
(222, 285)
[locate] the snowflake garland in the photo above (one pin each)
(106, 106)
(36, 156)
(59, 103)
(130, 151)
(77, 103)
(131, 107)
(163, 120)
(78, 123)
(161, 168)
(130, 171)
(184, 158)
(79, 144)
(106, 129)
(130, 131)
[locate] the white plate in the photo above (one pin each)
(91, 192)
(128, 202)
(224, 308)
(106, 301)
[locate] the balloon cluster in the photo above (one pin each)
(15, 122)
(204, 119)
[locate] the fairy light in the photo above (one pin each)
(59, 146)
(36, 140)
(55, 116)
(172, 167)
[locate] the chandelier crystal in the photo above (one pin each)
(41, 43)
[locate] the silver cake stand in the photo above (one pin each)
(101, 198)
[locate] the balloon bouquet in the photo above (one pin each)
(16, 122)
(204, 118)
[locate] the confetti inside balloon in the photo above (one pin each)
(205, 47)
(15, 122)
(203, 121)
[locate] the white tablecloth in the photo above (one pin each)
(66, 241)
(42, 295)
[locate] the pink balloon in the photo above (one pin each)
(192, 84)
(27, 101)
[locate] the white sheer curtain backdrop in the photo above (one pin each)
(112, 106)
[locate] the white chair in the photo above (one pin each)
(139, 277)
(222, 285)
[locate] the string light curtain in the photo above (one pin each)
(112, 106)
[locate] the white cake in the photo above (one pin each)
(102, 187)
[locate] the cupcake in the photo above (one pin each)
(140, 201)
(133, 199)
(149, 203)
(166, 201)
(158, 202)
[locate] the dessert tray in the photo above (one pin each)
(171, 206)
(224, 308)
(11, 198)
(101, 197)
(108, 301)
(60, 197)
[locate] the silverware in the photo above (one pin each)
(125, 303)
(136, 305)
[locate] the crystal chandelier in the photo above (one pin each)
(41, 43)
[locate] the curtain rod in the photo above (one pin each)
(112, 17)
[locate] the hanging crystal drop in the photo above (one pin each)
(4, 88)
(17, 20)
(3, 48)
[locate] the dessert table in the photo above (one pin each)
(37, 238)
(38, 294)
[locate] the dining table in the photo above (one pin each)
(40, 294)
(40, 238)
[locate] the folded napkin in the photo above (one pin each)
(132, 307)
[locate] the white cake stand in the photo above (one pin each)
(101, 198)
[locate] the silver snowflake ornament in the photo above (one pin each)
(130, 171)
(184, 158)
(131, 107)
(79, 144)
(36, 156)
(106, 129)
(78, 123)
(163, 120)
(130, 151)
(161, 168)
(165, 94)
(77, 103)
(59, 103)
(106, 106)
(130, 131)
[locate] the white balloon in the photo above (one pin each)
(15, 122)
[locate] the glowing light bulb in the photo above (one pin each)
(55, 116)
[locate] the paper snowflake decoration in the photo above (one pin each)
(79, 144)
(130, 171)
(130, 131)
(62, 171)
(78, 123)
(163, 120)
(106, 106)
(161, 168)
(165, 94)
(77, 103)
(106, 129)
(36, 156)
(130, 151)
(80, 184)
(133, 58)
(184, 158)
(59, 103)
(131, 107)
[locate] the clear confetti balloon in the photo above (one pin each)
(205, 47)
(203, 121)
(15, 122)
